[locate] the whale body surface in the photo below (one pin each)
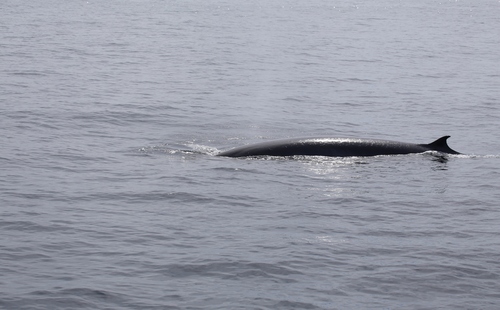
(336, 147)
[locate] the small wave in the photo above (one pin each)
(162, 149)
(203, 149)
(482, 156)
(286, 304)
(82, 292)
(473, 156)
(27, 73)
(231, 270)
(28, 226)
(179, 149)
(74, 298)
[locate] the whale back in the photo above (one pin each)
(336, 147)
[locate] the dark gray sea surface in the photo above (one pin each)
(112, 112)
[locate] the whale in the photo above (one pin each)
(336, 147)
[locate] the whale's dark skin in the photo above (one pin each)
(336, 147)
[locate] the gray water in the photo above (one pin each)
(111, 113)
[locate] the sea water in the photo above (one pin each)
(111, 113)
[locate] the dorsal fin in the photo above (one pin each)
(441, 146)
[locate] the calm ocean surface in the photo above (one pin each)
(111, 113)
